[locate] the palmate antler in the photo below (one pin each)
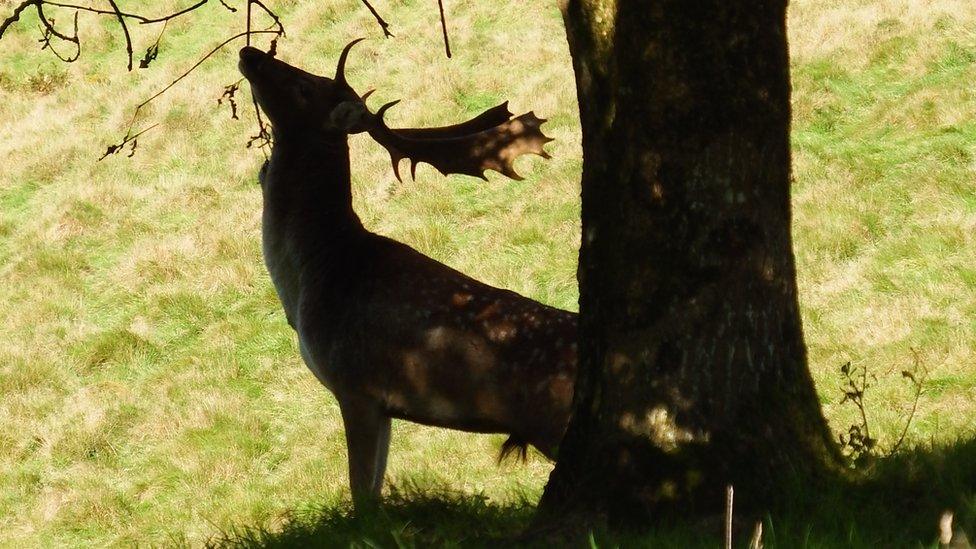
(489, 141)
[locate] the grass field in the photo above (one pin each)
(151, 391)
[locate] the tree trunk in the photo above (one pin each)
(693, 367)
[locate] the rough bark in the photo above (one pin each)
(693, 366)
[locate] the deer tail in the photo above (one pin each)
(516, 447)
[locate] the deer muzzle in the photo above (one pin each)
(251, 60)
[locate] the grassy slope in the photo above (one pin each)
(149, 386)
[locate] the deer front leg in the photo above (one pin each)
(382, 452)
(368, 443)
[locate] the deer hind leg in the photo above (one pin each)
(368, 443)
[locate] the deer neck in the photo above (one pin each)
(309, 228)
(310, 174)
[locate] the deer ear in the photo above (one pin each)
(349, 116)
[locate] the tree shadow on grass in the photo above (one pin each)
(894, 502)
(409, 516)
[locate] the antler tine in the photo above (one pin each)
(395, 156)
(340, 75)
(382, 112)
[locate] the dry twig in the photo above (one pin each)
(447, 43)
(51, 32)
(129, 136)
(379, 20)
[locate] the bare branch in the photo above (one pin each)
(125, 30)
(383, 24)
(198, 63)
(230, 91)
(16, 15)
(175, 15)
(447, 43)
(115, 149)
(143, 20)
(152, 52)
(129, 137)
(263, 138)
(274, 17)
(50, 31)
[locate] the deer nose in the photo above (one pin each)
(251, 60)
(249, 53)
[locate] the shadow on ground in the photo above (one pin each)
(894, 502)
(409, 516)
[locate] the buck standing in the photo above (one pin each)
(391, 332)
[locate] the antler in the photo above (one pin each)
(489, 141)
(340, 75)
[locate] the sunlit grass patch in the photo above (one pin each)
(150, 388)
(884, 148)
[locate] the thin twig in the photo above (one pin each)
(152, 52)
(128, 134)
(230, 91)
(383, 24)
(447, 43)
(125, 30)
(143, 20)
(50, 26)
(112, 149)
(263, 137)
(197, 64)
(50, 31)
(16, 15)
(173, 15)
(274, 16)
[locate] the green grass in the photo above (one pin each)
(151, 391)
(895, 503)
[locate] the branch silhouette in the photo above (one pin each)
(129, 136)
(52, 34)
(125, 30)
(379, 20)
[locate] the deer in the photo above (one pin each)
(392, 333)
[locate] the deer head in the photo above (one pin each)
(309, 106)
(301, 103)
